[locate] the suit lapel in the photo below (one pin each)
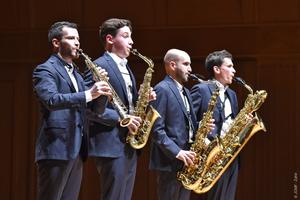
(59, 66)
(176, 93)
(134, 91)
(117, 74)
(219, 107)
(232, 100)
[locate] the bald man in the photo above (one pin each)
(173, 133)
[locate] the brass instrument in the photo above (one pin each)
(219, 154)
(148, 114)
(115, 101)
(190, 176)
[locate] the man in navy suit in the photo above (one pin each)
(116, 160)
(61, 143)
(220, 69)
(173, 133)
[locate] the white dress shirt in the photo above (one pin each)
(121, 63)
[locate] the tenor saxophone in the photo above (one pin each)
(116, 100)
(146, 112)
(227, 148)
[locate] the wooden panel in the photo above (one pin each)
(278, 11)
(194, 12)
(140, 13)
(280, 39)
(45, 13)
(9, 8)
(6, 128)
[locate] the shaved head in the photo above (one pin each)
(178, 65)
(174, 55)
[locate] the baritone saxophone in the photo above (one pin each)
(116, 100)
(146, 112)
(216, 156)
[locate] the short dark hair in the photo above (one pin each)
(216, 58)
(111, 26)
(55, 30)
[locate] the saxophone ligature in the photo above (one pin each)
(214, 158)
(146, 112)
(115, 100)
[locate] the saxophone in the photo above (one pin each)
(115, 101)
(227, 148)
(148, 114)
(190, 176)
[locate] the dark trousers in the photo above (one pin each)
(117, 176)
(59, 179)
(169, 188)
(225, 188)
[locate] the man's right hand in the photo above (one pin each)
(187, 157)
(134, 124)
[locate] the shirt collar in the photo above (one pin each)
(178, 85)
(220, 85)
(69, 66)
(117, 59)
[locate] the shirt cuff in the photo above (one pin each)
(88, 96)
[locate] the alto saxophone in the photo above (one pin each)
(239, 133)
(191, 176)
(115, 101)
(148, 114)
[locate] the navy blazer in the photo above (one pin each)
(170, 133)
(201, 94)
(107, 138)
(63, 111)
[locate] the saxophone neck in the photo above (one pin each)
(243, 83)
(146, 59)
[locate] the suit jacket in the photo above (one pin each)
(201, 94)
(170, 133)
(107, 137)
(62, 111)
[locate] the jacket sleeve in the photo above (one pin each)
(49, 88)
(160, 136)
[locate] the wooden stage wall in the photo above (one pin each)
(263, 36)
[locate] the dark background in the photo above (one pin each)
(263, 36)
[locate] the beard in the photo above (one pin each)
(69, 53)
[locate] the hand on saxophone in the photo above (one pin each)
(211, 124)
(249, 117)
(100, 88)
(102, 73)
(187, 157)
(134, 124)
(152, 95)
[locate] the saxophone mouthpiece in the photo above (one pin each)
(243, 83)
(197, 77)
(134, 51)
(239, 80)
(79, 51)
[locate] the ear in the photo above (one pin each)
(216, 69)
(109, 39)
(55, 43)
(172, 65)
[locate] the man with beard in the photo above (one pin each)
(61, 144)
(173, 133)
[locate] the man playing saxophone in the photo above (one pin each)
(174, 132)
(116, 160)
(221, 70)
